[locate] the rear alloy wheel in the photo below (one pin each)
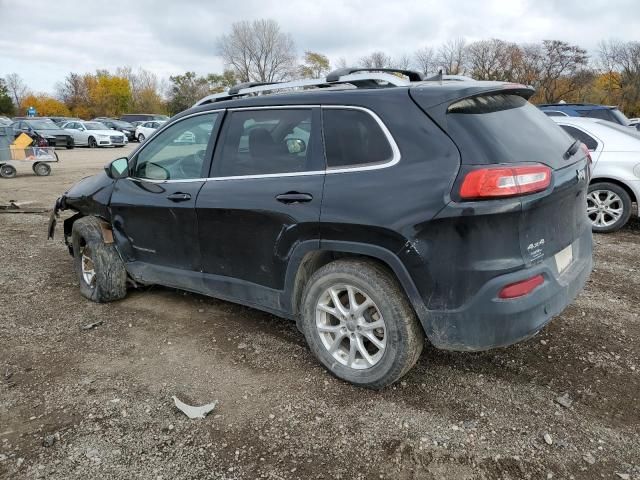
(7, 171)
(608, 207)
(92, 142)
(41, 169)
(141, 138)
(359, 323)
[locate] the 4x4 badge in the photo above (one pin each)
(581, 174)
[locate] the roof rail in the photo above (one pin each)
(362, 80)
(336, 74)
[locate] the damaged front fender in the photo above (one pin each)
(89, 196)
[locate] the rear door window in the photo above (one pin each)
(353, 138)
(264, 142)
(505, 128)
(578, 134)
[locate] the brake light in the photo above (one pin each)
(522, 288)
(586, 151)
(498, 182)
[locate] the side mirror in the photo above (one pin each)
(296, 145)
(119, 168)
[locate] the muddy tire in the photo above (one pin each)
(373, 337)
(100, 269)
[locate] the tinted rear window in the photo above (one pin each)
(505, 128)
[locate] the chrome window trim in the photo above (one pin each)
(328, 171)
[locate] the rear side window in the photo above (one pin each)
(588, 140)
(353, 138)
(505, 128)
(261, 142)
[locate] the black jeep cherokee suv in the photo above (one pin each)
(374, 212)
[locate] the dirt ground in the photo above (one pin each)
(96, 404)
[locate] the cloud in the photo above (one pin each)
(169, 37)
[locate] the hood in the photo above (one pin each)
(105, 132)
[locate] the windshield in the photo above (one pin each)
(43, 124)
(95, 126)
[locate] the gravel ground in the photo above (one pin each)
(97, 403)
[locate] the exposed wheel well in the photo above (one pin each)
(314, 260)
(616, 182)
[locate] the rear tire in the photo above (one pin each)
(8, 171)
(608, 207)
(41, 169)
(100, 269)
(387, 335)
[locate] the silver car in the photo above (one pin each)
(615, 184)
(94, 134)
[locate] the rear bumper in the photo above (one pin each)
(486, 321)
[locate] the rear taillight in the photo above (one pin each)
(587, 153)
(496, 182)
(522, 288)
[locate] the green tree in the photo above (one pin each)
(6, 104)
(187, 89)
(315, 65)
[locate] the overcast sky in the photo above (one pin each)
(43, 40)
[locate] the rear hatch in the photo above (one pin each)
(494, 126)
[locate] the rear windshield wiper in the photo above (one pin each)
(571, 151)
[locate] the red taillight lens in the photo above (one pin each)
(522, 288)
(505, 181)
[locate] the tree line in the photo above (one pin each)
(260, 51)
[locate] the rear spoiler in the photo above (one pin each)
(434, 97)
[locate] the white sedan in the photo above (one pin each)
(615, 183)
(94, 134)
(146, 129)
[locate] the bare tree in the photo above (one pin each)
(17, 88)
(402, 62)
(425, 60)
(73, 91)
(258, 51)
(376, 60)
(492, 59)
(452, 56)
(562, 67)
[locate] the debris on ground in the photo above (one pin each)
(564, 401)
(547, 439)
(93, 325)
(48, 441)
(194, 412)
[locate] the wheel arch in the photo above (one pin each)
(308, 258)
(615, 181)
(105, 229)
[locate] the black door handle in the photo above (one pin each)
(179, 197)
(294, 197)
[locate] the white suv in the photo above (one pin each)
(615, 184)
